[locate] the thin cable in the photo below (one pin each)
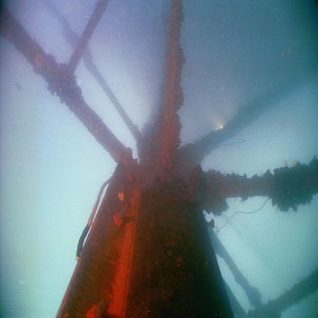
(241, 212)
(91, 218)
(97, 203)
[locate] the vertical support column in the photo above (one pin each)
(168, 124)
(175, 272)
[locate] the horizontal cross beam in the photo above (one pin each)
(287, 187)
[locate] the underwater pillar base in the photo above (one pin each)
(174, 270)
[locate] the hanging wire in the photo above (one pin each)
(91, 218)
(217, 230)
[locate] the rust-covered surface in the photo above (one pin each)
(148, 253)
(63, 83)
(158, 263)
(175, 273)
(98, 274)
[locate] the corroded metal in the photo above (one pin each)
(148, 253)
(62, 83)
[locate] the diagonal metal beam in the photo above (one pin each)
(84, 38)
(62, 83)
(192, 154)
(237, 308)
(72, 39)
(252, 293)
(291, 297)
(112, 97)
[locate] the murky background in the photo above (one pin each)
(237, 53)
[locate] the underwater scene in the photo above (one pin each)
(158, 158)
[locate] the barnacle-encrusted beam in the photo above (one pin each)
(286, 187)
(72, 38)
(291, 297)
(62, 83)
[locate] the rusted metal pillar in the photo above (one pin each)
(174, 272)
(159, 263)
